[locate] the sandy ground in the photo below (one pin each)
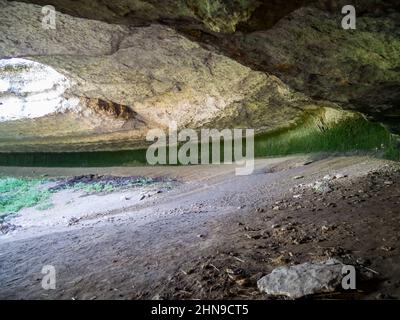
(212, 235)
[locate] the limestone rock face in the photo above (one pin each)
(132, 12)
(354, 69)
(131, 79)
(134, 65)
(30, 90)
(303, 279)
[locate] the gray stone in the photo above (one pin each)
(303, 279)
(322, 187)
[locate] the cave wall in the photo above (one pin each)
(246, 63)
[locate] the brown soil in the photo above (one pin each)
(215, 235)
(358, 223)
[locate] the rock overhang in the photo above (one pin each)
(155, 74)
(30, 90)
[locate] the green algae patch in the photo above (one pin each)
(19, 193)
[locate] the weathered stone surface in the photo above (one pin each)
(152, 74)
(213, 15)
(224, 16)
(133, 12)
(135, 75)
(303, 279)
(354, 69)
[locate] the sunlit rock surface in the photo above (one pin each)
(31, 90)
(142, 64)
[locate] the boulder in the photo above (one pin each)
(302, 280)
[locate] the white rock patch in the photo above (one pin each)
(30, 89)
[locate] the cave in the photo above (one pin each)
(199, 150)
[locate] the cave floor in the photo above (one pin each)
(214, 234)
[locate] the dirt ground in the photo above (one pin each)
(213, 234)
